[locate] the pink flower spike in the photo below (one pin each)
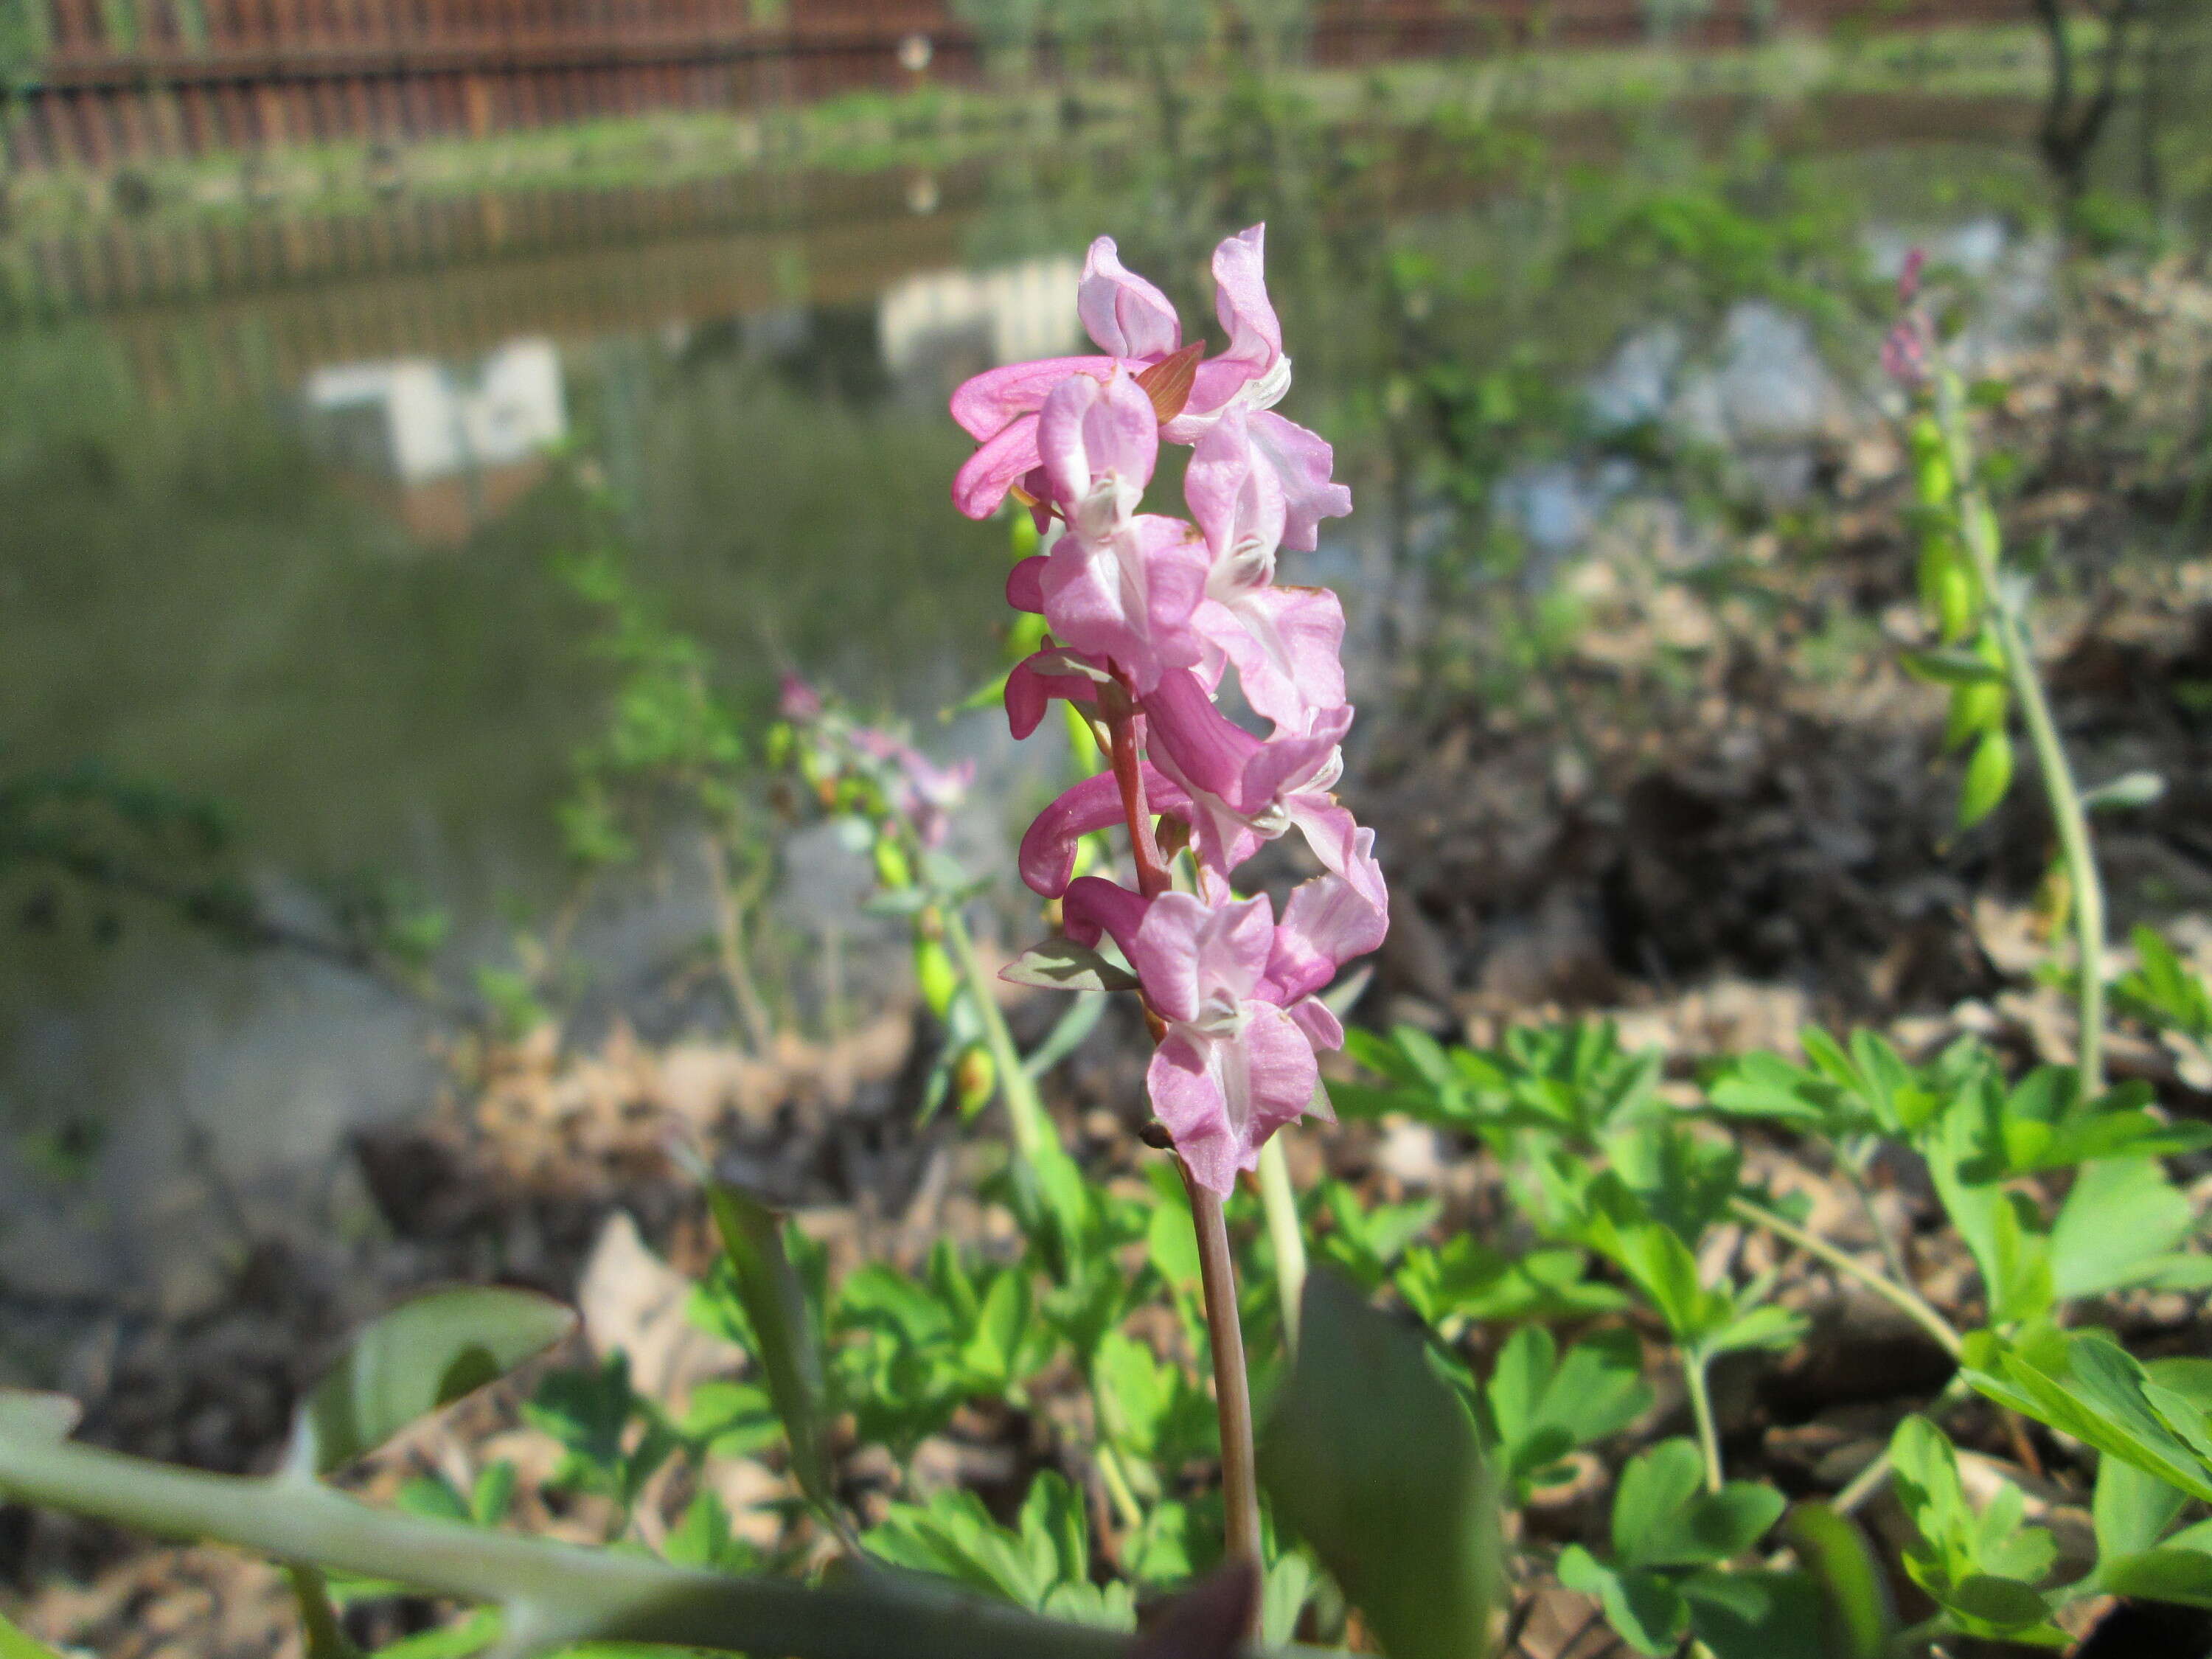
(1128, 597)
(1233, 1067)
(1124, 314)
(1098, 443)
(1047, 858)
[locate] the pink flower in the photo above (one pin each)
(796, 700)
(1911, 341)
(1132, 324)
(921, 792)
(1243, 792)
(1234, 989)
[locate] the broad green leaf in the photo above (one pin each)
(2159, 1575)
(423, 1355)
(2132, 1507)
(2120, 1220)
(788, 1339)
(2106, 1411)
(1370, 1457)
(1290, 1585)
(1644, 1609)
(2003, 1606)
(1854, 1591)
(1654, 1488)
(25, 1415)
(1664, 1518)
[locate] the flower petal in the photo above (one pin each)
(1047, 858)
(1206, 749)
(1124, 314)
(1237, 500)
(1303, 460)
(1098, 441)
(985, 402)
(1128, 597)
(1094, 905)
(1184, 1081)
(1240, 301)
(1030, 686)
(1322, 1027)
(1169, 952)
(1287, 644)
(982, 481)
(1326, 923)
(1025, 585)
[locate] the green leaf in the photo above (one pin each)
(420, 1356)
(2118, 1227)
(1854, 1591)
(1759, 1615)
(1644, 1609)
(1062, 965)
(787, 1336)
(1370, 1457)
(2132, 1507)
(2159, 1575)
(1662, 1517)
(14, 1644)
(1655, 1488)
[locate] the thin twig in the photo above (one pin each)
(1904, 1299)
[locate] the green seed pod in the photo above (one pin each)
(1948, 592)
(893, 869)
(1931, 462)
(1985, 525)
(975, 1079)
(1989, 774)
(1974, 709)
(934, 973)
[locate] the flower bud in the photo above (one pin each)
(933, 972)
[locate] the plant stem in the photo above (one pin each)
(1232, 1388)
(1240, 1486)
(1283, 1232)
(1034, 1137)
(1701, 1411)
(553, 1594)
(1978, 526)
(730, 948)
(1905, 1300)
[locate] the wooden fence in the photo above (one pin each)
(126, 80)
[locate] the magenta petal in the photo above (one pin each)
(1168, 951)
(1029, 688)
(984, 403)
(1240, 301)
(1207, 749)
(1025, 585)
(1303, 460)
(1122, 312)
(1281, 1073)
(1093, 906)
(1047, 858)
(982, 481)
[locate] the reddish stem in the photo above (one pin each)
(1122, 721)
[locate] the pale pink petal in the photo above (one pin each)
(1093, 906)
(1168, 954)
(1234, 947)
(1303, 460)
(985, 402)
(1025, 585)
(1292, 765)
(1098, 440)
(1128, 597)
(1185, 1084)
(1238, 500)
(984, 477)
(1124, 314)
(1047, 858)
(1240, 301)
(1280, 1074)
(1326, 922)
(1322, 1028)
(1286, 643)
